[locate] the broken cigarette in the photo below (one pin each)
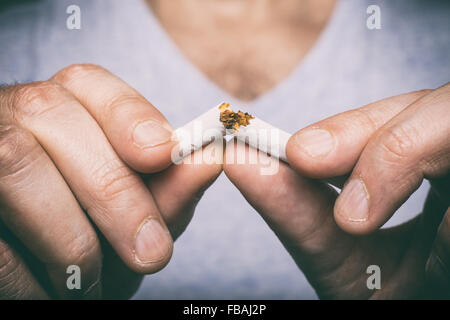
(198, 133)
(221, 121)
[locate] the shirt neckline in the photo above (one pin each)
(189, 70)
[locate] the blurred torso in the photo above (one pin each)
(246, 47)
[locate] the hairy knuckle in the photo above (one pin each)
(37, 98)
(75, 71)
(111, 179)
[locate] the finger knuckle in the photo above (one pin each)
(10, 142)
(398, 142)
(111, 179)
(76, 71)
(367, 119)
(120, 102)
(37, 98)
(83, 248)
(10, 270)
(17, 148)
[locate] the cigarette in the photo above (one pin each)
(255, 132)
(198, 133)
(221, 121)
(265, 137)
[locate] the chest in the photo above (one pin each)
(246, 63)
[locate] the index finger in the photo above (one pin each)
(138, 132)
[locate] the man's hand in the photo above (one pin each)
(70, 194)
(383, 151)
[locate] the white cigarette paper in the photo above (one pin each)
(198, 133)
(264, 137)
(207, 127)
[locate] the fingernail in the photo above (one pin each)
(353, 203)
(316, 142)
(150, 133)
(153, 242)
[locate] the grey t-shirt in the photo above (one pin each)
(230, 252)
